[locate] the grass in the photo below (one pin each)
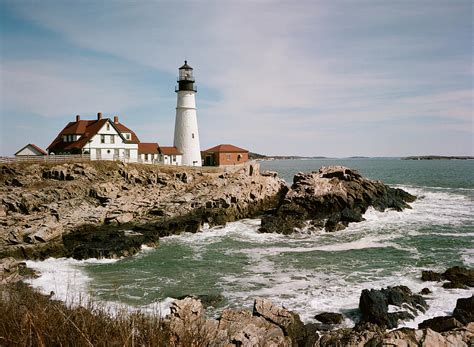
(29, 318)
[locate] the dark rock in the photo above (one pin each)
(440, 324)
(425, 291)
(464, 311)
(429, 275)
(454, 285)
(458, 274)
(373, 305)
(330, 318)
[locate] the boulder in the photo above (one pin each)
(464, 311)
(288, 321)
(185, 323)
(373, 305)
(440, 324)
(460, 276)
(335, 195)
(425, 291)
(241, 328)
(330, 318)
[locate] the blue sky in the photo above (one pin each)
(329, 78)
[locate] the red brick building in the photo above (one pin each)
(224, 154)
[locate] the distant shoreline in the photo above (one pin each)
(255, 156)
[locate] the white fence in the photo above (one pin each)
(46, 158)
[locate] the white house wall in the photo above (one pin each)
(108, 149)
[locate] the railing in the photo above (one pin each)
(46, 158)
(186, 78)
(176, 89)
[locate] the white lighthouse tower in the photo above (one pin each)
(186, 135)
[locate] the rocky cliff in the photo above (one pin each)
(109, 209)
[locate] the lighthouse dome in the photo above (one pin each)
(185, 66)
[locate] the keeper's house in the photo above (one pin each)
(224, 154)
(102, 138)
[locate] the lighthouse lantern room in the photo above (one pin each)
(186, 135)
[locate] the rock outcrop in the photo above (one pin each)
(457, 277)
(109, 209)
(374, 305)
(271, 325)
(331, 198)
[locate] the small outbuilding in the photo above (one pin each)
(30, 150)
(224, 154)
(170, 156)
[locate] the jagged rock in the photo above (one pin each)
(330, 318)
(288, 321)
(336, 195)
(464, 311)
(374, 303)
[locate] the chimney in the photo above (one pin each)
(99, 116)
(116, 119)
(78, 118)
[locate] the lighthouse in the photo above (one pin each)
(186, 135)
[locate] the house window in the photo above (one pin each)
(127, 153)
(108, 126)
(146, 157)
(227, 157)
(112, 139)
(239, 157)
(102, 138)
(127, 136)
(116, 153)
(174, 159)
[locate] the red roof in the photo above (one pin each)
(226, 148)
(148, 148)
(123, 129)
(87, 129)
(34, 147)
(169, 150)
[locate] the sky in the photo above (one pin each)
(315, 78)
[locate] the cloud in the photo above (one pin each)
(271, 72)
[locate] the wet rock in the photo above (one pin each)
(374, 303)
(425, 291)
(429, 275)
(460, 276)
(464, 311)
(335, 194)
(440, 324)
(330, 318)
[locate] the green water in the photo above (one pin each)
(317, 272)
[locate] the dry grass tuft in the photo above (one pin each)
(32, 319)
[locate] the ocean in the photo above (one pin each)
(307, 273)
